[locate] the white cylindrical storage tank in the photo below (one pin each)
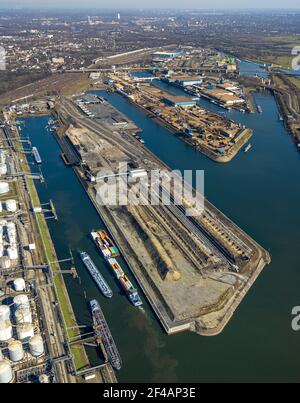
(12, 252)
(4, 313)
(36, 345)
(4, 262)
(4, 188)
(23, 315)
(44, 378)
(5, 330)
(3, 169)
(6, 374)
(11, 205)
(15, 351)
(21, 300)
(2, 157)
(25, 331)
(19, 284)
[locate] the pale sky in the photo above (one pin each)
(204, 4)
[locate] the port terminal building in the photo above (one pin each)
(185, 81)
(184, 102)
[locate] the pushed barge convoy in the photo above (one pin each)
(109, 251)
(130, 290)
(94, 272)
(102, 330)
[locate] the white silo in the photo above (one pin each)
(25, 331)
(44, 378)
(21, 300)
(19, 284)
(12, 252)
(3, 169)
(4, 188)
(11, 205)
(23, 315)
(36, 345)
(5, 262)
(2, 157)
(6, 374)
(15, 351)
(5, 330)
(4, 313)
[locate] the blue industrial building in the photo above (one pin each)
(168, 55)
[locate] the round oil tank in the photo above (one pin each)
(4, 313)
(6, 374)
(5, 262)
(11, 205)
(44, 378)
(2, 157)
(4, 188)
(19, 284)
(21, 300)
(5, 330)
(25, 331)
(36, 345)
(15, 351)
(23, 315)
(3, 169)
(12, 252)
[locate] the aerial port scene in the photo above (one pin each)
(149, 170)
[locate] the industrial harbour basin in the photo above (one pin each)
(194, 271)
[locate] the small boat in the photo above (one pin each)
(247, 148)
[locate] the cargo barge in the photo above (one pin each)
(131, 292)
(94, 272)
(105, 244)
(36, 155)
(102, 331)
(109, 251)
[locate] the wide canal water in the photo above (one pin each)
(260, 191)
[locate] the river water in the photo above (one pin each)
(260, 191)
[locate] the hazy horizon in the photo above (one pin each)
(154, 4)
